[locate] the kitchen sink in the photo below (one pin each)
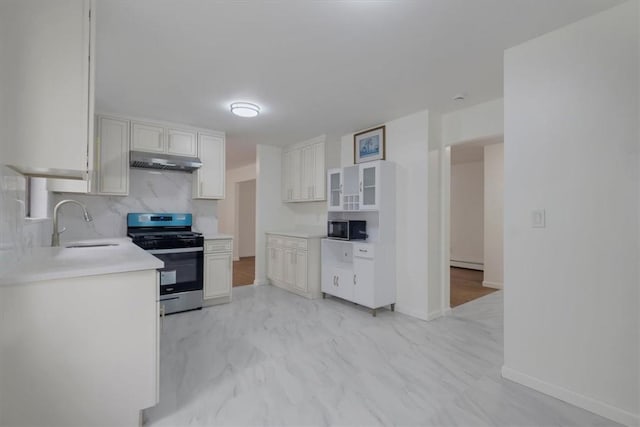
(91, 245)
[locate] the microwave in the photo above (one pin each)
(347, 230)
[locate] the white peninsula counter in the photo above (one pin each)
(79, 336)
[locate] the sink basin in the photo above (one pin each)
(91, 245)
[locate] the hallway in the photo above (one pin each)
(466, 285)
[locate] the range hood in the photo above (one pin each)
(139, 159)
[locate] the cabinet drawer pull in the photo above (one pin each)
(363, 250)
(354, 279)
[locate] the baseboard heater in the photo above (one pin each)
(466, 264)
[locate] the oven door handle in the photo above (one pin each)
(174, 251)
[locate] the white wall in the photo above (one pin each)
(479, 121)
(467, 214)
(228, 207)
(247, 218)
(271, 214)
(438, 297)
(572, 148)
(493, 215)
(407, 145)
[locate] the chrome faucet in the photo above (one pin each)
(55, 237)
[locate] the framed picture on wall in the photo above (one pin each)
(369, 145)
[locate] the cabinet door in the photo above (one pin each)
(147, 137)
(47, 87)
(327, 280)
(217, 275)
(363, 279)
(112, 169)
(344, 284)
(308, 173)
(289, 261)
(295, 176)
(317, 180)
(287, 180)
(334, 184)
(275, 264)
(209, 182)
(182, 143)
(301, 271)
(369, 188)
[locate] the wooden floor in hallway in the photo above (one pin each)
(244, 271)
(466, 285)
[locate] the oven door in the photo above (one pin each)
(183, 269)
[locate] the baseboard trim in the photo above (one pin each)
(434, 315)
(257, 282)
(494, 285)
(413, 313)
(447, 311)
(579, 400)
(468, 265)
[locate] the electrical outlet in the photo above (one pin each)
(538, 218)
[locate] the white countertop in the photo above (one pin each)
(300, 234)
(49, 263)
(217, 236)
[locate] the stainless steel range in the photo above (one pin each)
(168, 236)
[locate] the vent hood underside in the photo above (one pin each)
(139, 159)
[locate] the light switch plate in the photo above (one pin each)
(538, 218)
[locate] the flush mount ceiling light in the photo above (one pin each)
(245, 109)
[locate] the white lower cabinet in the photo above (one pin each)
(218, 271)
(92, 353)
(293, 263)
(359, 272)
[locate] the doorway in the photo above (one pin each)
(244, 266)
(475, 220)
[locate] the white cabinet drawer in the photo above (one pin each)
(217, 246)
(363, 250)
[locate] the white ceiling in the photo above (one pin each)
(315, 66)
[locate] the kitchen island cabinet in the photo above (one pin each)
(79, 337)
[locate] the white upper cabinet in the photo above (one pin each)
(147, 137)
(303, 171)
(369, 194)
(357, 187)
(209, 180)
(334, 184)
(111, 164)
(47, 87)
(182, 143)
(156, 138)
(112, 159)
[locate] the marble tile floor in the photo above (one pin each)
(274, 358)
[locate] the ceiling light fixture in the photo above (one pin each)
(245, 109)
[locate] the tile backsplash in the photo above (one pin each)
(17, 235)
(149, 191)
